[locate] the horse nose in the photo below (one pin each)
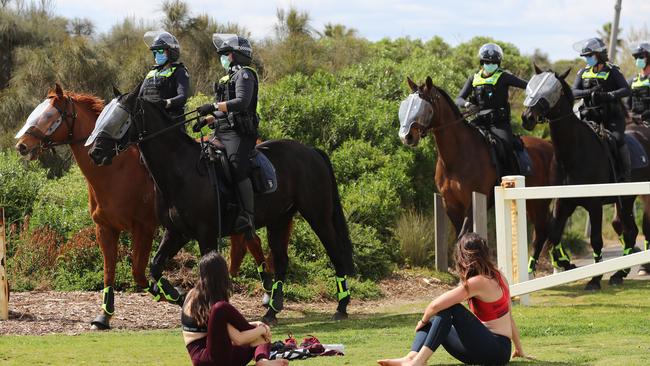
(408, 138)
(22, 148)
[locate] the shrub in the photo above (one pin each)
(20, 183)
(415, 233)
(34, 255)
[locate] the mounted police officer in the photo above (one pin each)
(486, 93)
(639, 102)
(168, 82)
(236, 119)
(601, 85)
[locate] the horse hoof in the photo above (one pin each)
(270, 320)
(101, 322)
(615, 281)
(593, 286)
(339, 316)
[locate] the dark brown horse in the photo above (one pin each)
(121, 196)
(584, 158)
(464, 164)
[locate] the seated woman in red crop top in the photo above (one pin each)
(482, 336)
(215, 333)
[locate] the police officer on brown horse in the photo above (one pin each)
(601, 85)
(236, 119)
(486, 92)
(639, 102)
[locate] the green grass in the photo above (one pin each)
(564, 326)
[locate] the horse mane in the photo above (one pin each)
(450, 101)
(95, 104)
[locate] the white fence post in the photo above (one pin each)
(504, 232)
(4, 284)
(479, 214)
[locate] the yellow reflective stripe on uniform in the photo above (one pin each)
(161, 74)
(590, 74)
(638, 83)
(491, 80)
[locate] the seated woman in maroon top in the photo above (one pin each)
(215, 333)
(483, 336)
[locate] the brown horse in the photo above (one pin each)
(121, 196)
(464, 164)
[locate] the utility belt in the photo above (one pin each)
(243, 123)
(602, 112)
(492, 116)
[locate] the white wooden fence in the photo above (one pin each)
(512, 237)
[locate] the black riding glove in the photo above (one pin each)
(162, 103)
(199, 124)
(206, 109)
(597, 97)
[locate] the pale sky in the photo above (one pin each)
(551, 25)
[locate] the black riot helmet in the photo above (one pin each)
(490, 53)
(157, 40)
(640, 50)
(592, 46)
(239, 46)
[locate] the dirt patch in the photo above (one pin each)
(48, 312)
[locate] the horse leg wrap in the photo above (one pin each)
(167, 290)
(153, 289)
(598, 257)
(277, 297)
(532, 264)
(108, 301)
(646, 245)
(265, 277)
(342, 290)
(559, 258)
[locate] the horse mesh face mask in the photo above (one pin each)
(35, 117)
(113, 122)
(412, 110)
(543, 86)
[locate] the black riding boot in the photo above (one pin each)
(245, 221)
(626, 165)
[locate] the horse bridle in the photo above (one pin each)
(432, 101)
(45, 139)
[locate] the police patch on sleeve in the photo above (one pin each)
(245, 75)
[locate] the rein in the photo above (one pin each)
(425, 130)
(142, 137)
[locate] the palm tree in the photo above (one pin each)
(338, 31)
(292, 23)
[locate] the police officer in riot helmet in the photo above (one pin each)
(236, 119)
(167, 83)
(485, 93)
(601, 85)
(639, 102)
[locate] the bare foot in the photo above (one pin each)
(396, 361)
(265, 362)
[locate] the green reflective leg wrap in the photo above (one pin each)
(532, 264)
(108, 301)
(598, 257)
(166, 289)
(265, 277)
(627, 251)
(561, 255)
(276, 290)
(621, 240)
(647, 244)
(342, 290)
(153, 290)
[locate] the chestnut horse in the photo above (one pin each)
(464, 164)
(121, 196)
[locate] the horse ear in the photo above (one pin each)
(412, 85)
(429, 83)
(116, 91)
(537, 69)
(58, 90)
(565, 74)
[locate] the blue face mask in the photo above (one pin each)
(640, 63)
(225, 62)
(591, 60)
(161, 59)
(490, 68)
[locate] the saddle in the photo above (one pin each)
(262, 171)
(506, 163)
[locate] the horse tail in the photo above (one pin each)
(338, 218)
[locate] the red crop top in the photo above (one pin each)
(486, 311)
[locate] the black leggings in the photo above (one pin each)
(464, 337)
(238, 148)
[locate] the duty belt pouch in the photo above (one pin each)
(246, 124)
